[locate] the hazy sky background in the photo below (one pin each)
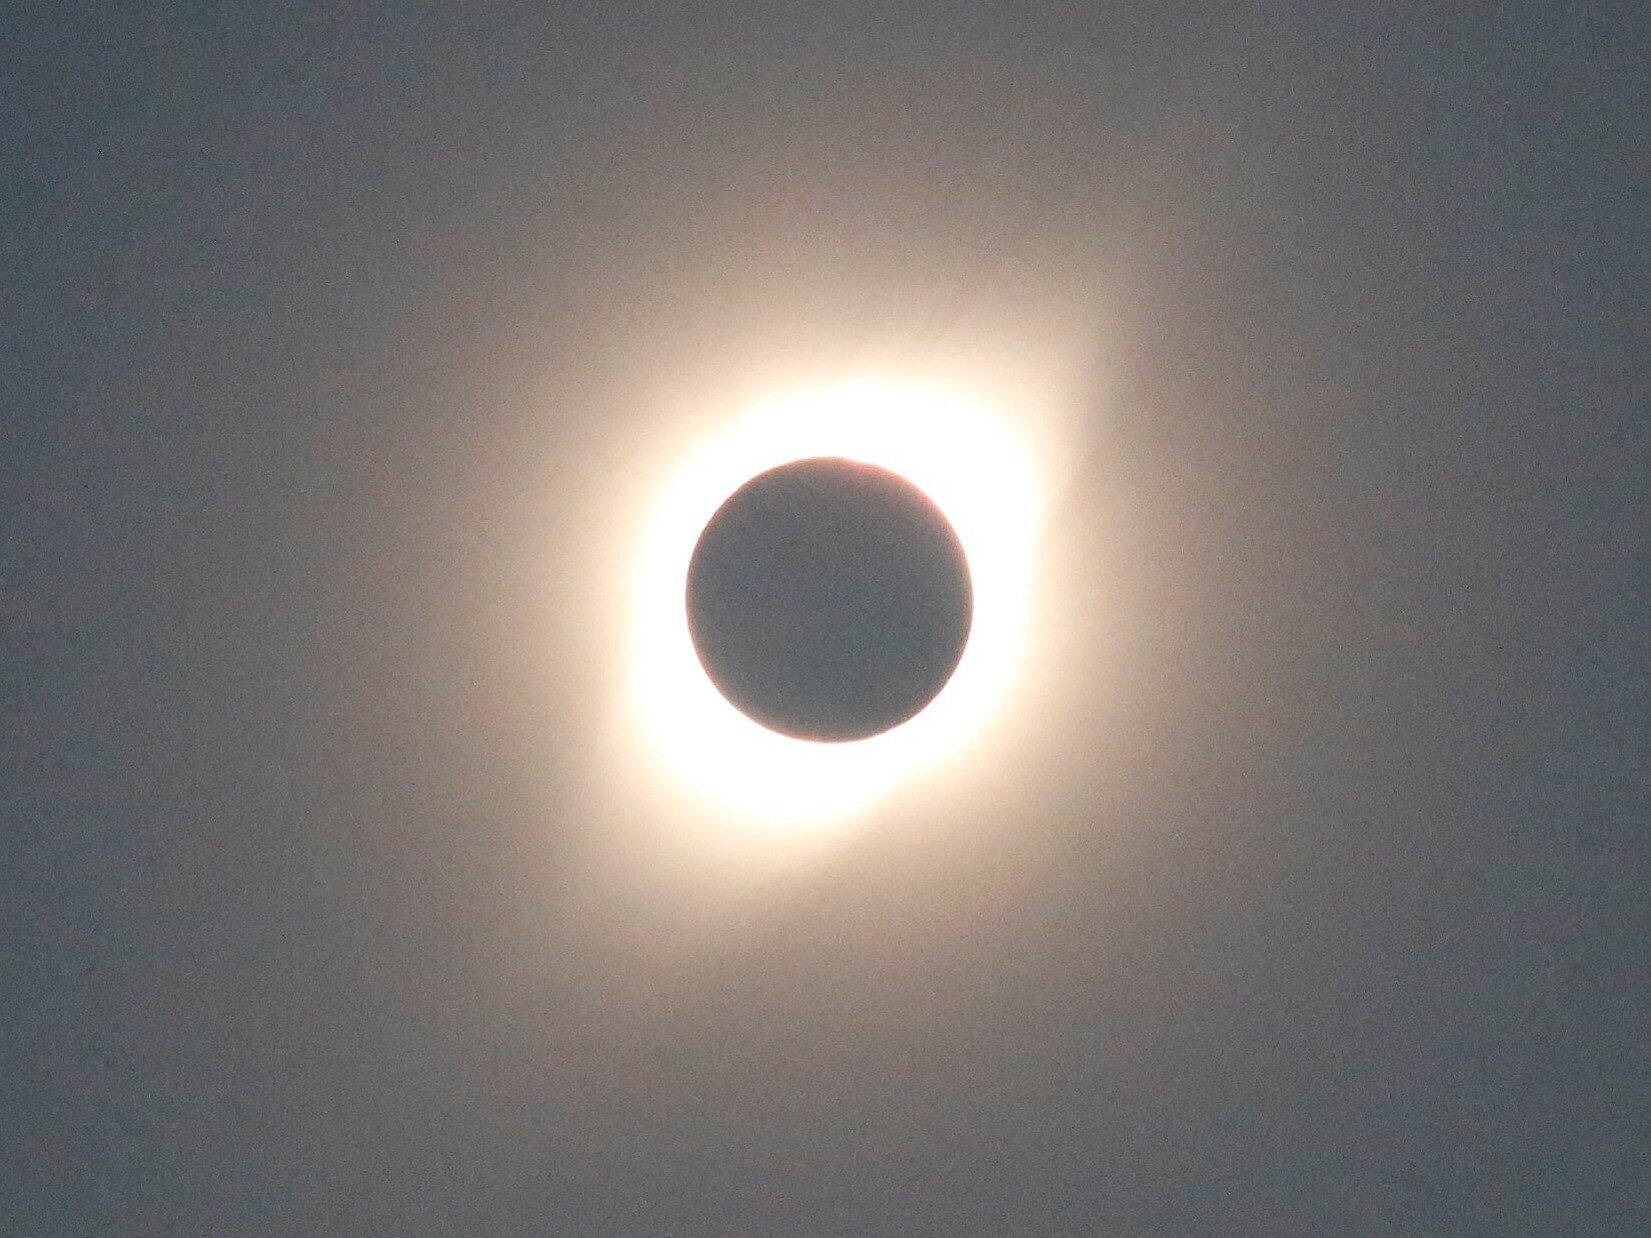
(1310, 894)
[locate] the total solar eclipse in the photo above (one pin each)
(829, 600)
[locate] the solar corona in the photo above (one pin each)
(831, 596)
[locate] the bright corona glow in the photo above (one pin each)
(978, 472)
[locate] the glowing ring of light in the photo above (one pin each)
(975, 468)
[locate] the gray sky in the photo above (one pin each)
(341, 344)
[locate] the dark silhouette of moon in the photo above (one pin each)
(829, 600)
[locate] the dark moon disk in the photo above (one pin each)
(829, 600)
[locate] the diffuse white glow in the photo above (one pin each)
(975, 468)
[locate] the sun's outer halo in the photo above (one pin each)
(976, 469)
